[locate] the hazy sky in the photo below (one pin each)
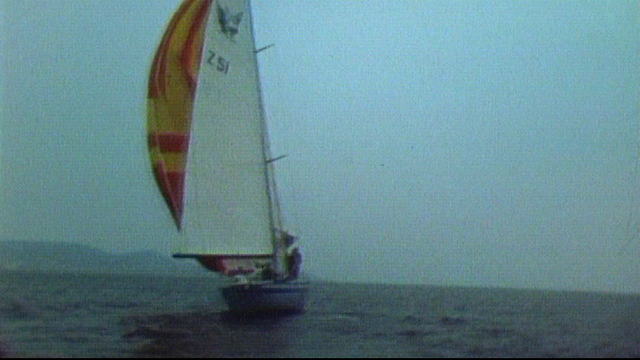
(482, 143)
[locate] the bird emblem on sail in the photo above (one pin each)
(229, 21)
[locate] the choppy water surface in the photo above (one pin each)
(138, 316)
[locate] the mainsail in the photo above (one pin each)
(207, 136)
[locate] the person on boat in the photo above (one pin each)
(293, 258)
(294, 263)
(288, 239)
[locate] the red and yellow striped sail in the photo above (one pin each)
(172, 89)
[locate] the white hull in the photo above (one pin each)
(266, 298)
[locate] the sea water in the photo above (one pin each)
(65, 315)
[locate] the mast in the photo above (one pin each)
(279, 250)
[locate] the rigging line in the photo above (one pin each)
(269, 161)
(264, 48)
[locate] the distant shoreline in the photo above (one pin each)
(50, 257)
(97, 273)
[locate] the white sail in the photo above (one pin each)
(227, 197)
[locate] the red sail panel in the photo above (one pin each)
(172, 88)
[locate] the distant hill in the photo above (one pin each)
(70, 257)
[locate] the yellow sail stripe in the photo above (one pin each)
(172, 86)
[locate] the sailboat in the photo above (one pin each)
(209, 150)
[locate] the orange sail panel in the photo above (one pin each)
(172, 89)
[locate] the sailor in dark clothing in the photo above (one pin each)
(288, 239)
(295, 263)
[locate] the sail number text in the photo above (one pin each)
(220, 63)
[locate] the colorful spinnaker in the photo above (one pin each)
(172, 90)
